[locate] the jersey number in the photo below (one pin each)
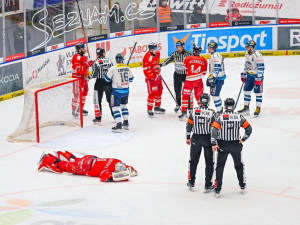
(124, 77)
(195, 70)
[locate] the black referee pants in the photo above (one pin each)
(100, 87)
(234, 148)
(199, 141)
(179, 80)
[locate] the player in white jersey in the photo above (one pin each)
(217, 75)
(253, 77)
(121, 76)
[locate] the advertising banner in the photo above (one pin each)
(288, 38)
(229, 40)
(11, 78)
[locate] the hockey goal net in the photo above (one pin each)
(49, 104)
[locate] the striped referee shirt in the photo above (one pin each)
(179, 59)
(199, 121)
(100, 67)
(227, 127)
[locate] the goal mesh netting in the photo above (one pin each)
(48, 104)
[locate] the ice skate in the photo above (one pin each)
(245, 111)
(117, 128)
(257, 112)
(159, 110)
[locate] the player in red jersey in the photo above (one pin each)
(151, 69)
(80, 69)
(196, 68)
(107, 169)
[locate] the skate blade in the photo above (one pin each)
(97, 123)
(216, 195)
(126, 128)
(117, 131)
(207, 191)
(243, 192)
(159, 112)
(255, 116)
(191, 189)
(150, 116)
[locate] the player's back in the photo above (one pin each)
(120, 75)
(101, 164)
(196, 67)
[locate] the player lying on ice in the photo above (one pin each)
(107, 169)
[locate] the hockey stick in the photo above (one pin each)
(170, 93)
(238, 96)
(87, 47)
(140, 38)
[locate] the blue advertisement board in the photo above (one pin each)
(229, 40)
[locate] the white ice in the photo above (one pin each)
(156, 148)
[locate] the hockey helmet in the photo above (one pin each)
(236, 9)
(100, 51)
(79, 46)
(229, 103)
(119, 58)
(197, 49)
(119, 167)
(180, 43)
(213, 45)
(251, 44)
(152, 46)
(204, 99)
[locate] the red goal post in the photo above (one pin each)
(49, 104)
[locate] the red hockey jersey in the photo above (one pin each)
(149, 63)
(196, 67)
(80, 66)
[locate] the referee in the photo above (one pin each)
(199, 123)
(225, 137)
(180, 71)
(100, 68)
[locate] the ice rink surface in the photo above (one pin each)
(156, 148)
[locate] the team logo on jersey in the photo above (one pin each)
(197, 112)
(225, 117)
(248, 65)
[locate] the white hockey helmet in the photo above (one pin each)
(119, 167)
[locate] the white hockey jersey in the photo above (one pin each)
(121, 76)
(254, 64)
(216, 66)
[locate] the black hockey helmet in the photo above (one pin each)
(213, 45)
(79, 46)
(204, 99)
(180, 43)
(100, 51)
(251, 44)
(119, 58)
(197, 50)
(152, 46)
(229, 103)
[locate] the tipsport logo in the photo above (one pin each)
(229, 40)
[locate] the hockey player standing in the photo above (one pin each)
(216, 74)
(196, 68)
(180, 71)
(121, 76)
(253, 77)
(100, 68)
(225, 137)
(80, 66)
(199, 123)
(151, 69)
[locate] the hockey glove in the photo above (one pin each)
(243, 77)
(89, 63)
(258, 81)
(210, 82)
